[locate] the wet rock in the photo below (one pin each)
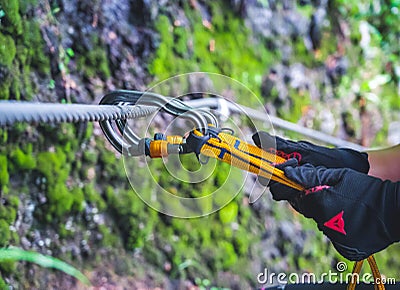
(144, 11)
(328, 121)
(336, 67)
(271, 23)
(198, 83)
(25, 243)
(315, 28)
(239, 6)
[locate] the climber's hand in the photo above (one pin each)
(358, 213)
(306, 152)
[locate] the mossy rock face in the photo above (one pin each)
(195, 47)
(21, 49)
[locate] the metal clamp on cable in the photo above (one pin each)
(124, 139)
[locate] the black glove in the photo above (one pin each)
(306, 152)
(359, 213)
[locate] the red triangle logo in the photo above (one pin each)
(336, 223)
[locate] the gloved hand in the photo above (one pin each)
(306, 152)
(359, 213)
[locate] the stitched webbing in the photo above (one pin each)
(234, 151)
(378, 285)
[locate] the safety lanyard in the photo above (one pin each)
(229, 149)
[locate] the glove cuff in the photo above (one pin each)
(393, 214)
(355, 160)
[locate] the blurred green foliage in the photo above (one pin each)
(212, 48)
(374, 72)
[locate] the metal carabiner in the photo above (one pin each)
(123, 138)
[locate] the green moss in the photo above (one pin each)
(5, 89)
(53, 166)
(7, 50)
(4, 176)
(227, 255)
(21, 46)
(94, 62)
(60, 199)
(63, 232)
(228, 213)
(136, 220)
(210, 242)
(89, 131)
(93, 196)
(25, 5)
(112, 168)
(242, 240)
(12, 17)
(22, 160)
(33, 47)
(5, 233)
(109, 238)
(174, 56)
(78, 199)
(181, 38)
(9, 213)
(302, 54)
(298, 101)
(3, 136)
(8, 267)
(163, 61)
(89, 156)
(3, 284)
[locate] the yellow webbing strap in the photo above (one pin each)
(174, 139)
(356, 270)
(240, 154)
(375, 272)
(378, 285)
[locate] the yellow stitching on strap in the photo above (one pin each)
(241, 159)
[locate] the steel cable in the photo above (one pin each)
(33, 113)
